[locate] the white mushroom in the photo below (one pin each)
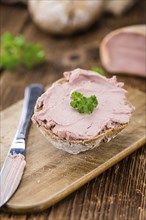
(123, 51)
(69, 16)
(119, 6)
(61, 16)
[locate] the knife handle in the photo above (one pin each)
(32, 92)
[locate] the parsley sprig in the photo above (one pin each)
(99, 70)
(83, 104)
(15, 51)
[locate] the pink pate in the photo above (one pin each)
(66, 122)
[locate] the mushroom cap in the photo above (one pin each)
(64, 17)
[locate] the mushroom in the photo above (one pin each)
(118, 7)
(123, 51)
(66, 17)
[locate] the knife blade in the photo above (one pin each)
(14, 164)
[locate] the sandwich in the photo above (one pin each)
(82, 110)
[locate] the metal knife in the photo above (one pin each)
(14, 164)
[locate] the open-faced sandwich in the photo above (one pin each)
(81, 110)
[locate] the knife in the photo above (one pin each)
(14, 164)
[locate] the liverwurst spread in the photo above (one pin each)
(67, 123)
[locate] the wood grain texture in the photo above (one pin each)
(112, 195)
(9, 16)
(52, 174)
(111, 187)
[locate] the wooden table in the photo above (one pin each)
(118, 193)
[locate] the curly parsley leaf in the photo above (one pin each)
(16, 51)
(99, 70)
(32, 55)
(83, 104)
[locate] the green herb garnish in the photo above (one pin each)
(99, 70)
(83, 104)
(15, 51)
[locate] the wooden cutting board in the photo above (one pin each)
(52, 174)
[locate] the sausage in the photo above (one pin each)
(124, 51)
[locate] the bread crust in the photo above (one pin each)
(77, 146)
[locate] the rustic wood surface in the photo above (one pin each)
(118, 193)
(52, 174)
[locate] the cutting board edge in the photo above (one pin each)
(76, 185)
